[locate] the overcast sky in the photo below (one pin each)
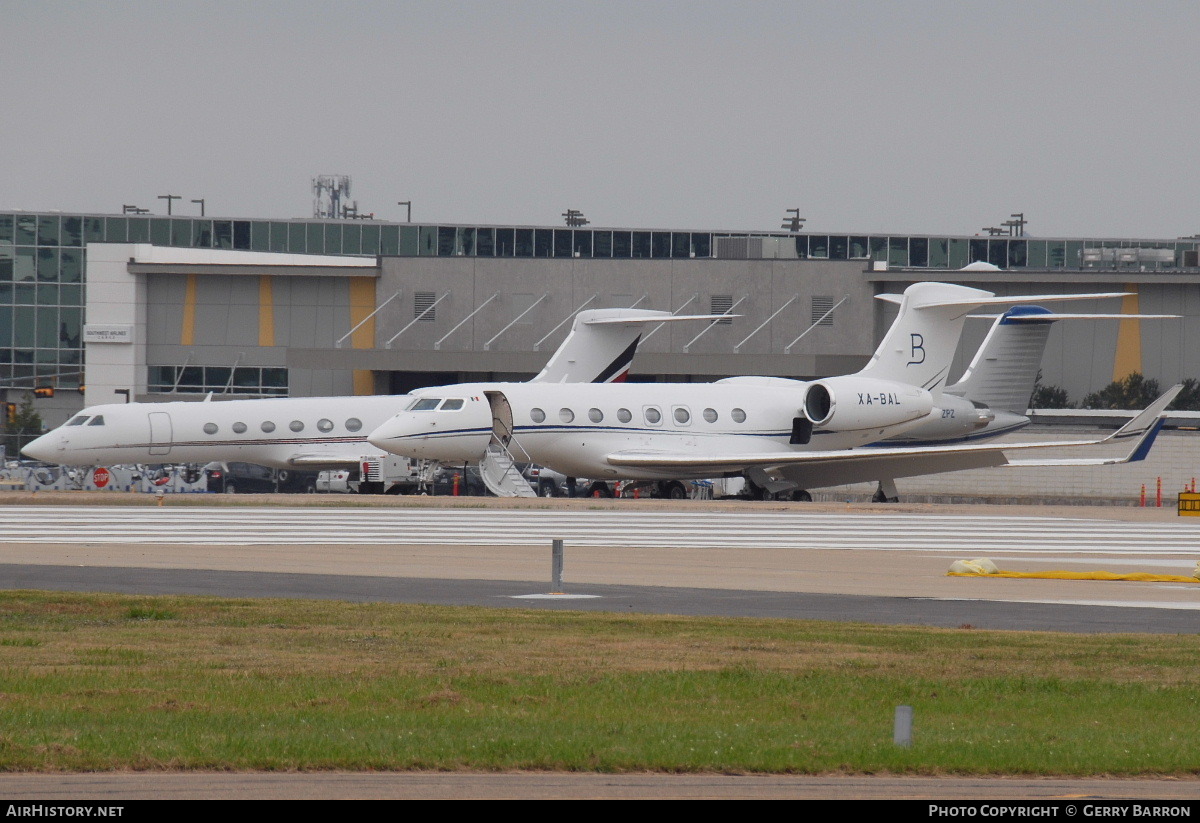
(922, 117)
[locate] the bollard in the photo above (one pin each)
(1143, 503)
(556, 567)
(456, 479)
(1158, 495)
(902, 730)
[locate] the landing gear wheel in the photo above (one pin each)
(676, 491)
(801, 496)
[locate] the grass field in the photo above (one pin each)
(93, 682)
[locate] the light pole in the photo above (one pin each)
(201, 202)
(169, 198)
(408, 205)
(795, 222)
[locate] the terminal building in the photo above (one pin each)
(102, 308)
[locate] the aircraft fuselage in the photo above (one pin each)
(572, 428)
(267, 432)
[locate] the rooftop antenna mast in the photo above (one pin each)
(329, 190)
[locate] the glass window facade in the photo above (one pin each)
(262, 382)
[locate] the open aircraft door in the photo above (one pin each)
(502, 418)
(161, 434)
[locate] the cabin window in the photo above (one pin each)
(710, 415)
(425, 404)
(239, 428)
(652, 414)
(267, 426)
(595, 415)
(210, 428)
(738, 415)
(682, 415)
(296, 426)
(453, 405)
(624, 415)
(98, 420)
(353, 424)
(325, 425)
(537, 415)
(566, 415)
(78, 421)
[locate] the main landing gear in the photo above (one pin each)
(886, 492)
(757, 492)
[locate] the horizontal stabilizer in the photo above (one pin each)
(661, 318)
(1001, 300)
(1051, 316)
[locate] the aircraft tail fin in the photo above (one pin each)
(1004, 370)
(920, 345)
(602, 343)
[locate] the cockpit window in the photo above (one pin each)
(98, 420)
(453, 405)
(78, 420)
(425, 404)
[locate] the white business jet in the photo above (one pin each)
(782, 434)
(306, 432)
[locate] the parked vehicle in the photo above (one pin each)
(337, 481)
(244, 478)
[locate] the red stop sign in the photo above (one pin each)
(100, 477)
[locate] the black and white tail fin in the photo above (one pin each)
(919, 347)
(1004, 370)
(602, 343)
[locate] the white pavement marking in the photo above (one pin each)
(970, 535)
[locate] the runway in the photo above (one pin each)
(871, 564)
(685, 529)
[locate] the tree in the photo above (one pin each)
(1189, 398)
(22, 427)
(1130, 392)
(1048, 397)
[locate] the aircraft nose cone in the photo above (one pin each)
(400, 436)
(41, 449)
(382, 435)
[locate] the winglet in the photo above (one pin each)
(1147, 418)
(1145, 426)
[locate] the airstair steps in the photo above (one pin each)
(500, 475)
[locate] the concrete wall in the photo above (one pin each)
(686, 286)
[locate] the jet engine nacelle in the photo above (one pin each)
(851, 403)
